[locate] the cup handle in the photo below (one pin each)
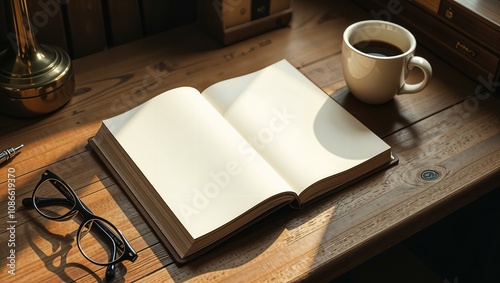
(423, 64)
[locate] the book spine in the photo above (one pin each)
(85, 23)
(4, 40)
(123, 21)
(235, 13)
(160, 15)
(47, 21)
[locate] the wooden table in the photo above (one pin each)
(450, 128)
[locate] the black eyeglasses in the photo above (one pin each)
(97, 238)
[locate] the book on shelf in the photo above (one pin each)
(201, 167)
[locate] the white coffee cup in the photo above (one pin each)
(375, 72)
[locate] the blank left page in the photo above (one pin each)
(202, 168)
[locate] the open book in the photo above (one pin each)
(199, 167)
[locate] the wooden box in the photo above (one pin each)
(234, 20)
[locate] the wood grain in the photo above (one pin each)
(449, 128)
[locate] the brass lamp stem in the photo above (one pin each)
(35, 79)
(26, 42)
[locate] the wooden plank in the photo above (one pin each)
(152, 258)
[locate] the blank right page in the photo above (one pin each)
(299, 130)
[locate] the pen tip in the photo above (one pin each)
(19, 147)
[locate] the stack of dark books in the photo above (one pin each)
(465, 33)
(85, 27)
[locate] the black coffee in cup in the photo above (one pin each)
(378, 48)
(379, 77)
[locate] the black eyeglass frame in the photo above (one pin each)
(119, 241)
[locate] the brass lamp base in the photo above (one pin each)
(45, 85)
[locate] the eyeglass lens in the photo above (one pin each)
(96, 241)
(53, 199)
